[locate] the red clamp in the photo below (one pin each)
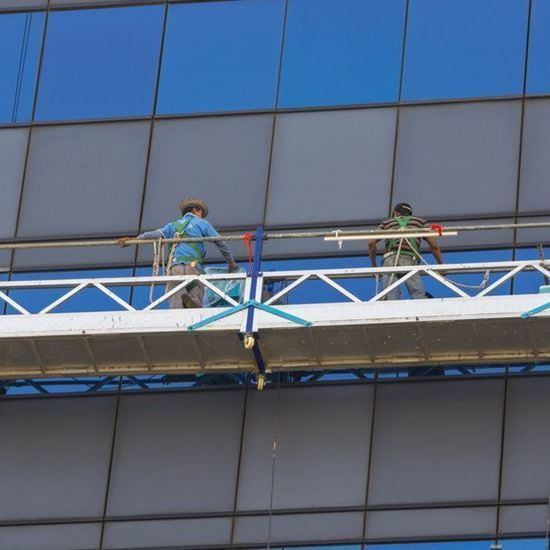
(438, 228)
(247, 240)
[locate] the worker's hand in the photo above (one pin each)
(233, 267)
(123, 242)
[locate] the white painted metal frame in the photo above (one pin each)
(294, 279)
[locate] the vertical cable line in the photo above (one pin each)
(111, 460)
(273, 126)
(239, 463)
(27, 151)
(399, 97)
(521, 131)
(21, 68)
(501, 459)
(150, 142)
(275, 444)
(369, 456)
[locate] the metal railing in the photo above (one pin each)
(291, 280)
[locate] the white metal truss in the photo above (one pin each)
(473, 327)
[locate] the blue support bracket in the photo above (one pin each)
(250, 304)
(543, 290)
(535, 311)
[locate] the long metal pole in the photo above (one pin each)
(374, 233)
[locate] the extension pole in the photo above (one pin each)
(372, 233)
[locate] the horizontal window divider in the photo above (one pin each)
(278, 512)
(252, 112)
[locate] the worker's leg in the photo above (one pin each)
(174, 301)
(395, 294)
(185, 298)
(193, 297)
(415, 286)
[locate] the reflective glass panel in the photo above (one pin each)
(538, 67)
(88, 299)
(466, 48)
(20, 42)
(100, 63)
(524, 544)
(529, 282)
(470, 283)
(457, 545)
(221, 56)
(341, 52)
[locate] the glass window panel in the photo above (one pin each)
(437, 290)
(88, 299)
(195, 460)
(221, 56)
(529, 282)
(182, 165)
(296, 528)
(75, 3)
(341, 52)
(322, 159)
(525, 472)
(20, 44)
(535, 161)
(443, 522)
(13, 147)
(84, 180)
(45, 537)
(450, 545)
(54, 458)
(524, 544)
(535, 236)
(458, 160)
(451, 456)
(168, 533)
(72, 258)
(318, 291)
(538, 66)
(523, 520)
(466, 48)
(100, 63)
(22, 4)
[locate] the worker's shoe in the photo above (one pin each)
(188, 302)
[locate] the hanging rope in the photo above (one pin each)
(156, 266)
(247, 241)
(480, 286)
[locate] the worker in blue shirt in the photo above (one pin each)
(188, 258)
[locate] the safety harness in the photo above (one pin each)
(395, 245)
(173, 258)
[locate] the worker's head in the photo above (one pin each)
(402, 209)
(194, 206)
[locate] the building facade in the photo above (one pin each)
(290, 114)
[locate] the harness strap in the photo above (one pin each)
(392, 244)
(180, 232)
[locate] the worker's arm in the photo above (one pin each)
(372, 251)
(223, 247)
(156, 234)
(435, 250)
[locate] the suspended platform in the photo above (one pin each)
(467, 329)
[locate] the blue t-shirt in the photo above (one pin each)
(185, 253)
